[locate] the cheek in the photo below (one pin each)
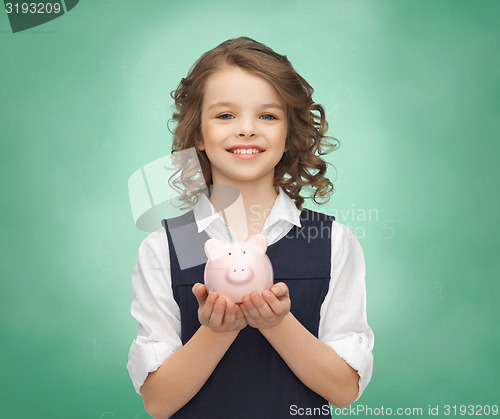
(214, 134)
(280, 135)
(212, 140)
(284, 135)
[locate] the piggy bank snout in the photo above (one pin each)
(239, 273)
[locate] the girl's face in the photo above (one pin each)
(241, 114)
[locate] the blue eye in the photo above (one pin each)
(269, 119)
(225, 114)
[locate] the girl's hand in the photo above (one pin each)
(217, 313)
(267, 309)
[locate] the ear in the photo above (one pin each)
(259, 242)
(199, 142)
(214, 249)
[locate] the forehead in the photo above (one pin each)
(235, 85)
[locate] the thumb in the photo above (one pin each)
(200, 292)
(280, 289)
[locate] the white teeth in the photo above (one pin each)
(245, 151)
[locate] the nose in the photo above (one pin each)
(246, 128)
(239, 274)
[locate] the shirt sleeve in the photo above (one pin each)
(154, 308)
(343, 323)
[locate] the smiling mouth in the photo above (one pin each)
(245, 151)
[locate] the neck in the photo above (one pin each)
(247, 214)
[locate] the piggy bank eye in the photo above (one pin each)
(229, 253)
(243, 252)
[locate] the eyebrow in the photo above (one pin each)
(266, 105)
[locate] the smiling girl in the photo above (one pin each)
(291, 349)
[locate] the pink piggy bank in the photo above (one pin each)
(238, 269)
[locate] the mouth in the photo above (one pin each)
(246, 152)
(246, 149)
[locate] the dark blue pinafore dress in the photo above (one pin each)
(252, 380)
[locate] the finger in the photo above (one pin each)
(270, 298)
(248, 318)
(230, 314)
(251, 309)
(262, 306)
(218, 313)
(208, 307)
(241, 321)
(276, 305)
(279, 303)
(280, 290)
(239, 312)
(246, 314)
(200, 292)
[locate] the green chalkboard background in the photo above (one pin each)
(412, 92)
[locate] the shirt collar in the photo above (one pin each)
(204, 212)
(283, 209)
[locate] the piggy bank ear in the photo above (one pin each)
(258, 242)
(214, 249)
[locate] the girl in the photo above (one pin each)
(284, 352)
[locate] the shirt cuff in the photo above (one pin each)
(144, 357)
(355, 349)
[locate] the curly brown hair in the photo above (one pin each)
(301, 166)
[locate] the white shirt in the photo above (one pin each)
(342, 325)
